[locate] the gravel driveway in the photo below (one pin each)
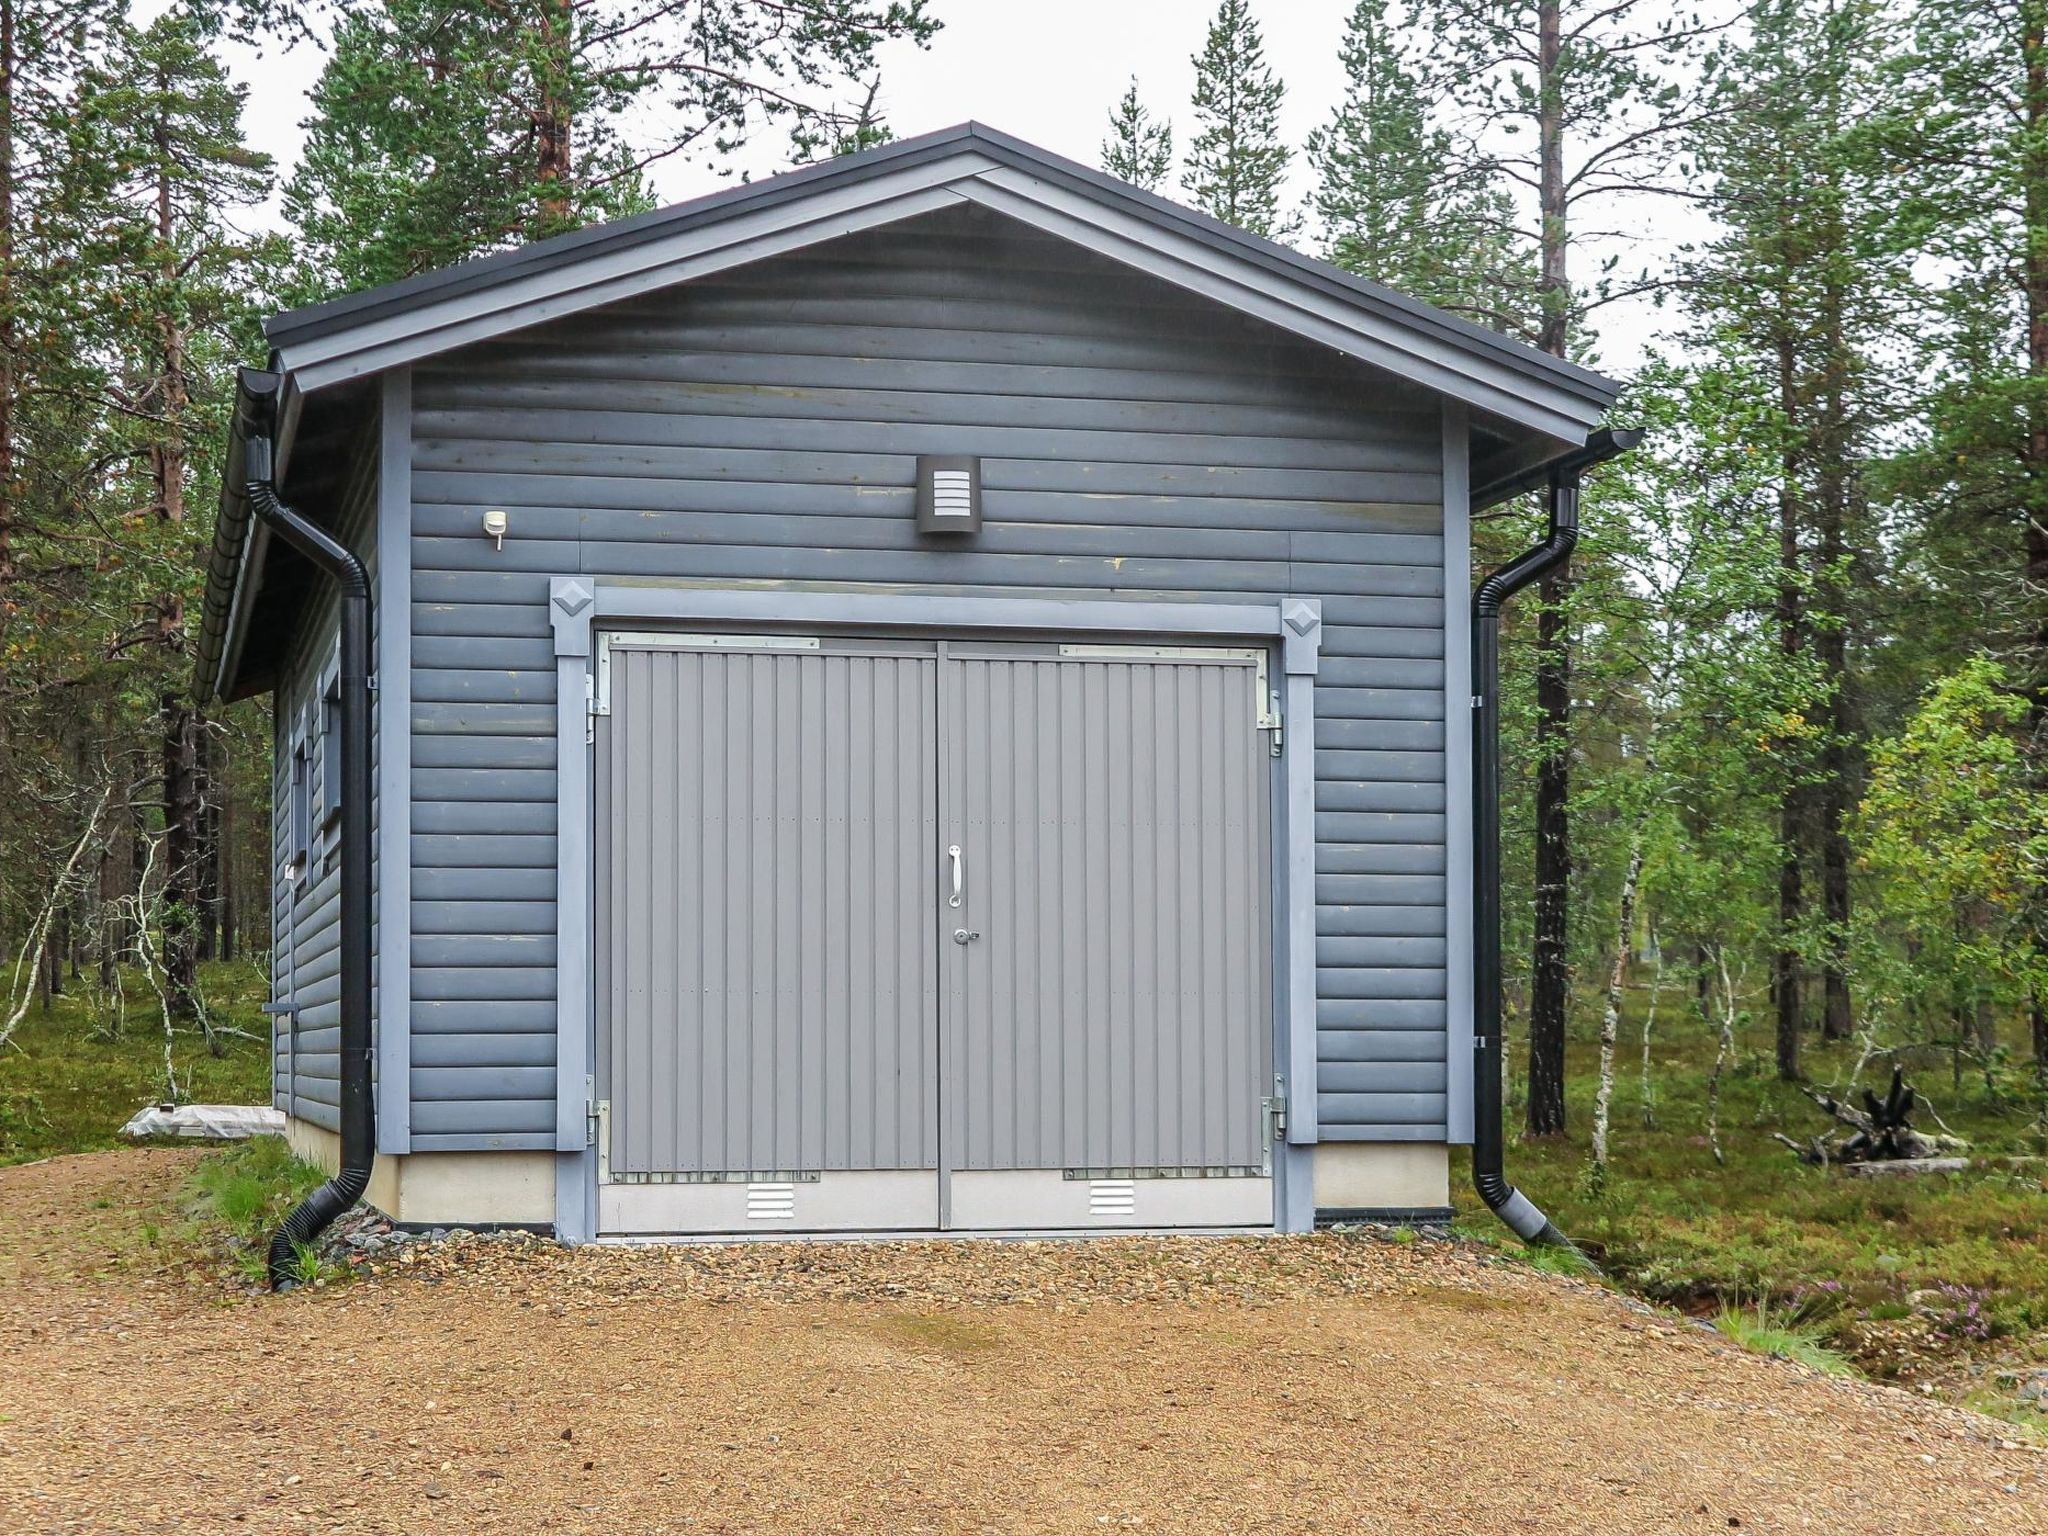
(1202, 1385)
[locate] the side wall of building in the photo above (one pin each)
(305, 951)
(761, 427)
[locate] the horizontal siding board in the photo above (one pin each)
(1380, 890)
(1379, 827)
(481, 917)
(482, 1080)
(1400, 564)
(443, 818)
(1425, 1111)
(1388, 735)
(486, 883)
(1382, 983)
(1378, 1046)
(519, 950)
(1380, 1013)
(482, 752)
(1382, 1077)
(495, 1048)
(480, 1121)
(1408, 950)
(468, 1016)
(483, 983)
(526, 722)
(1379, 858)
(761, 428)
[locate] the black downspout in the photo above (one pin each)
(358, 1104)
(1489, 1175)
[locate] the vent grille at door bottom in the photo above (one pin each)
(771, 1202)
(1110, 1198)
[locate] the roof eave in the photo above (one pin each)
(367, 333)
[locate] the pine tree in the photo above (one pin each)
(1806, 281)
(1571, 102)
(1970, 129)
(444, 128)
(159, 122)
(1392, 203)
(1237, 163)
(1138, 150)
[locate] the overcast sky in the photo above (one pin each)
(1047, 72)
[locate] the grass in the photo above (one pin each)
(238, 1195)
(69, 1081)
(1927, 1279)
(1782, 1333)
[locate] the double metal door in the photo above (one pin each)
(904, 935)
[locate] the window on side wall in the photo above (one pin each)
(300, 815)
(330, 762)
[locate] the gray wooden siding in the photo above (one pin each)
(760, 427)
(305, 952)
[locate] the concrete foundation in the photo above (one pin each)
(1359, 1178)
(445, 1189)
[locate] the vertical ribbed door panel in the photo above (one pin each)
(767, 971)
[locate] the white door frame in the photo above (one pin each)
(578, 606)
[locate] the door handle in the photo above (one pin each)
(964, 935)
(953, 853)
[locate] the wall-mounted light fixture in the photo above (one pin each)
(495, 523)
(948, 494)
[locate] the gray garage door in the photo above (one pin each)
(902, 934)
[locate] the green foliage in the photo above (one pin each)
(1392, 205)
(1237, 162)
(1138, 149)
(443, 129)
(1955, 828)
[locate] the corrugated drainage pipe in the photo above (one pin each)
(1489, 1174)
(358, 1103)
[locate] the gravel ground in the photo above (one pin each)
(1198, 1385)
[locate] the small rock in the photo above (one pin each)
(435, 1491)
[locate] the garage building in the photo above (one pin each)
(927, 693)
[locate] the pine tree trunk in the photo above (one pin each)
(8, 379)
(108, 927)
(1550, 971)
(1786, 1001)
(553, 113)
(181, 863)
(2034, 255)
(180, 725)
(1831, 647)
(207, 854)
(224, 857)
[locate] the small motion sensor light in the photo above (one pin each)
(948, 494)
(495, 523)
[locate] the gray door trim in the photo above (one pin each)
(580, 605)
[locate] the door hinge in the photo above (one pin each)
(1269, 705)
(599, 1125)
(589, 709)
(1275, 1111)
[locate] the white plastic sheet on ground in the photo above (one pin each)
(208, 1122)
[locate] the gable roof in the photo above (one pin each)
(1543, 406)
(404, 322)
